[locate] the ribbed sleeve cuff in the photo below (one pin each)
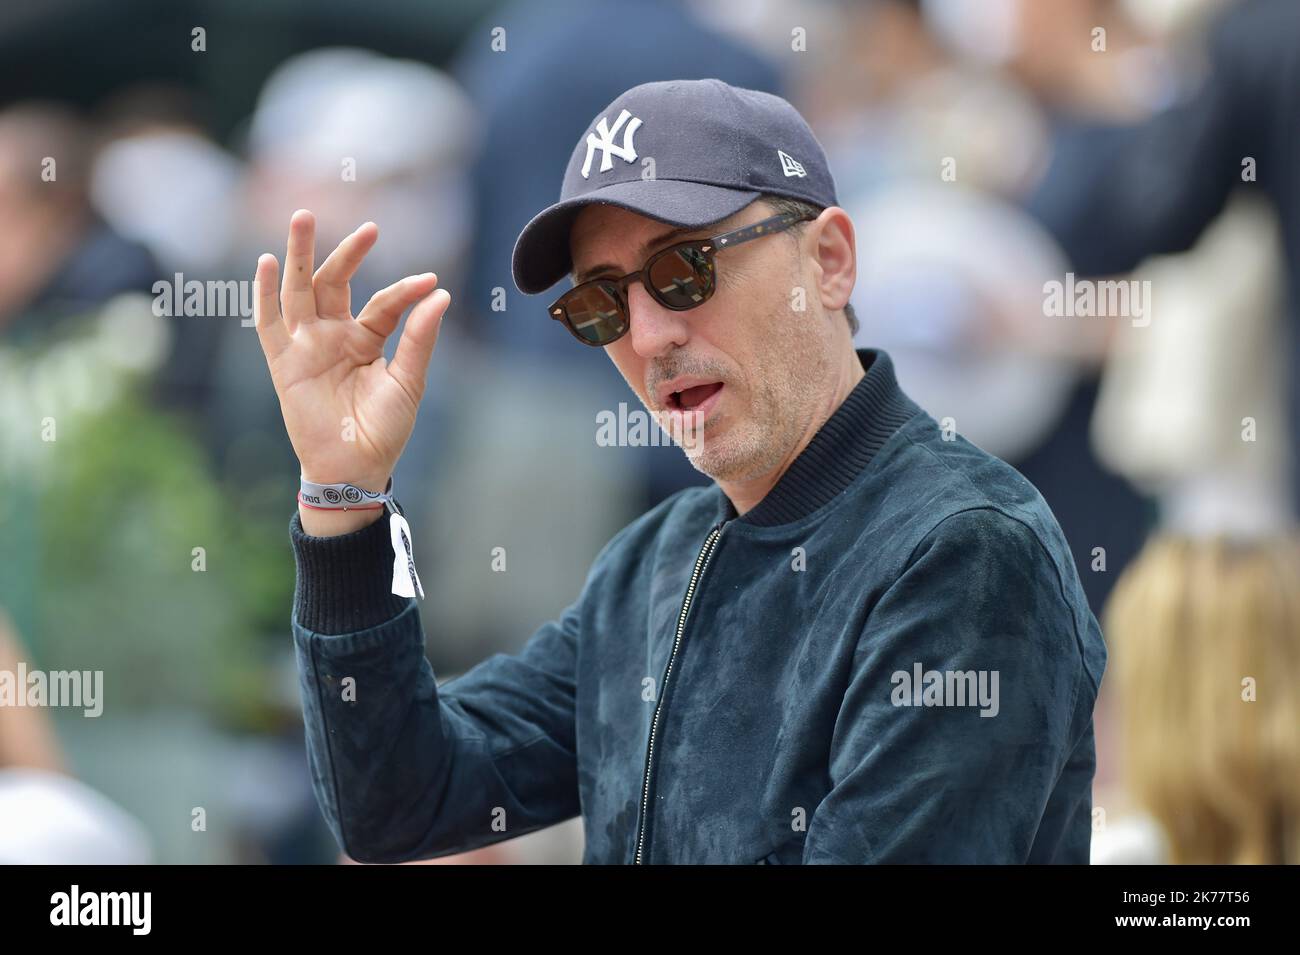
(344, 583)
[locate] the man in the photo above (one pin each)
(865, 642)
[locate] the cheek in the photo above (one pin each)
(762, 288)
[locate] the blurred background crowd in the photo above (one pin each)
(983, 148)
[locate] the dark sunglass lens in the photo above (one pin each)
(682, 278)
(595, 313)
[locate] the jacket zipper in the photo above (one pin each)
(701, 562)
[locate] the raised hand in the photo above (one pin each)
(348, 412)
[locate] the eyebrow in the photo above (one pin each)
(642, 254)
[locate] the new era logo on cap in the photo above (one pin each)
(694, 152)
(790, 166)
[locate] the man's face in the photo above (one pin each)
(747, 369)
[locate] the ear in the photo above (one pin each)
(834, 256)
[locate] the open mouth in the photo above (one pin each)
(689, 399)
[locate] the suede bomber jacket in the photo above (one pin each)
(889, 659)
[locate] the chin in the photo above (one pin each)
(730, 456)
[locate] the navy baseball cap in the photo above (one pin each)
(685, 152)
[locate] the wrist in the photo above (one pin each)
(333, 522)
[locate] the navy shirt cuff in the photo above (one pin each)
(344, 583)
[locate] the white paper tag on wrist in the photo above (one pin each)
(406, 582)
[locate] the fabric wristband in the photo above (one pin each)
(343, 497)
(349, 497)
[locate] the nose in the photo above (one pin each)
(654, 330)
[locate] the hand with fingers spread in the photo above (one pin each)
(348, 412)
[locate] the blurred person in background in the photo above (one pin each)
(967, 270)
(157, 175)
(26, 736)
(46, 816)
(1066, 59)
(59, 262)
(1205, 633)
(157, 171)
(1199, 736)
(57, 256)
(1117, 193)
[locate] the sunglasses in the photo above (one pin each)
(680, 277)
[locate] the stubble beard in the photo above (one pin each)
(785, 392)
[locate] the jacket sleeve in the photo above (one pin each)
(953, 783)
(402, 768)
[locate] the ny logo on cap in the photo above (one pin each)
(791, 166)
(606, 143)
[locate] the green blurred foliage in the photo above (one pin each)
(119, 521)
(99, 529)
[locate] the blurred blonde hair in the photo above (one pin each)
(1189, 622)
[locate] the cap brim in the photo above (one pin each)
(541, 256)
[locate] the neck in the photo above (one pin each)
(746, 494)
